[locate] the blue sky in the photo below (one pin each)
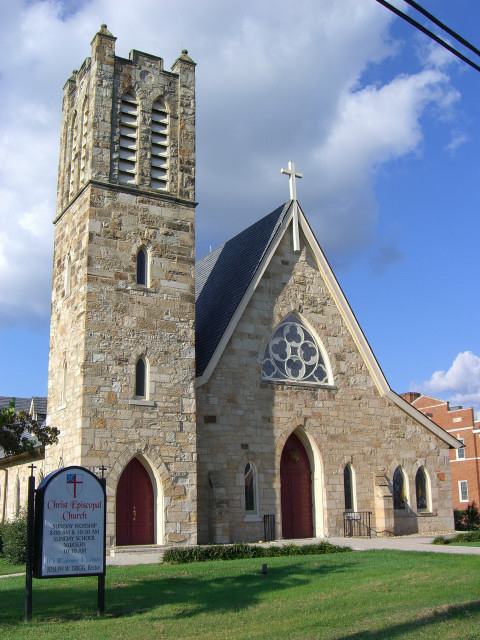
(382, 123)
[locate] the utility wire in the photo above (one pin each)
(429, 33)
(443, 26)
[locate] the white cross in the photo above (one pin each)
(292, 174)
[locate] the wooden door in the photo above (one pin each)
(134, 506)
(296, 490)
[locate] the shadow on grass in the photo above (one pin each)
(217, 588)
(448, 614)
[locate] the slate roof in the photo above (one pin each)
(222, 278)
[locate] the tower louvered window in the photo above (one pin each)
(83, 156)
(127, 166)
(73, 156)
(159, 148)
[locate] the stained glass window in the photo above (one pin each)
(249, 487)
(293, 354)
(399, 496)
(348, 488)
(421, 490)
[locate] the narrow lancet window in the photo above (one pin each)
(83, 154)
(250, 488)
(348, 488)
(399, 493)
(141, 378)
(421, 489)
(142, 267)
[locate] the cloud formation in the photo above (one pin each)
(272, 86)
(460, 384)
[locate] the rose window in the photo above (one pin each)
(292, 354)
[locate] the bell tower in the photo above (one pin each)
(121, 370)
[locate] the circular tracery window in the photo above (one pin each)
(292, 354)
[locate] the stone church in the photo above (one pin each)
(223, 396)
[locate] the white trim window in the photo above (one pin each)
(461, 451)
(463, 490)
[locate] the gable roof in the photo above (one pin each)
(227, 277)
(222, 278)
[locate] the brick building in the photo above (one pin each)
(464, 462)
(218, 393)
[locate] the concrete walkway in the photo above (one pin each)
(400, 543)
(154, 555)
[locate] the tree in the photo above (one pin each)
(17, 429)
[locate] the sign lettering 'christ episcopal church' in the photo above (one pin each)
(70, 524)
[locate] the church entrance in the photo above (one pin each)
(135, 506)
(296, 490)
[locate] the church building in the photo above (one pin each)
(222, 396)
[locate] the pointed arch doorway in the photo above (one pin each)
(296, 490)
(135, 506)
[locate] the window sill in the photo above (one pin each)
(141, 403)
(426, 514)
(140, 287)
(252, 517)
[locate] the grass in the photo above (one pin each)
(374, 595)
(7, 568)
(466, 539)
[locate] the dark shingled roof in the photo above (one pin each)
(222, 278)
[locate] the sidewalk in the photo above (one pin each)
(399, 543)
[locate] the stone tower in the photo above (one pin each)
(121, 385)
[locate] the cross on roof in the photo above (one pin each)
(292, 174)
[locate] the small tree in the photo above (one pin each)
(14, 425)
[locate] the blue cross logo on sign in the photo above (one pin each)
(74, 484)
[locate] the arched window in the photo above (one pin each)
(349, 488)
(142, 267)
(399, 489)
(422, 490)
(141, 378)
(159, 146)
(127, 164)
(294, 355)
(250, 477)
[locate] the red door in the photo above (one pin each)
(296, 488)
(134, 505)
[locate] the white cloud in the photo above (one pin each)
(275, 82)
(461, 383)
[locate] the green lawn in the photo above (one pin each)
(374, 595)
(7, 569)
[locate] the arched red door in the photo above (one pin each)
(134, 506)
(296, 489)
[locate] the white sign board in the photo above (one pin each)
(70, 524)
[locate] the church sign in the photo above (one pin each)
(69, 524)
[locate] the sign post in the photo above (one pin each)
(70, 508)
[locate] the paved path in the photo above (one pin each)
(399, 543)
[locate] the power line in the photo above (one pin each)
(432, 35)
(443, 26)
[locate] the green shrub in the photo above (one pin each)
(467, 520)
(14, 536)
(237, 551)
(440, 540)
